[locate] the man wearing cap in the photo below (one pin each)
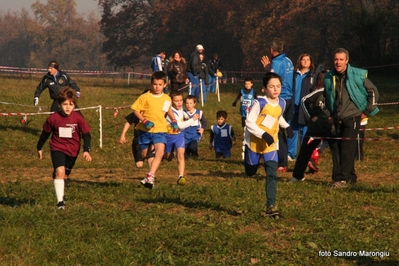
(54, 80)
(194, 67)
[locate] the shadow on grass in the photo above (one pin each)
(191, 204)
(371, 261)
(24, 128)
(94, 183)
(16, 202)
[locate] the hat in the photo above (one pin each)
(199, 47)
(53, 64)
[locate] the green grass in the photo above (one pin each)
(216, 219)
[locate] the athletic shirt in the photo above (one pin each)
(191, 132)
(222, 138)
(153, 108)
(247, 99)
(66, 132)
(268, 121)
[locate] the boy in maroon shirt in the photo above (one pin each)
(66, 128)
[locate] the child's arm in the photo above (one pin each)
(232, 134)
(185, 124)
(287, 126)
(237, 98)
(43, 138)
(174, 124)
(211, 137)
(122, 138)
(147, 123)
(86, 146)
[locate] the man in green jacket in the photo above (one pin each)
(350, 96)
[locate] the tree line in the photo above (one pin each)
(130, 32)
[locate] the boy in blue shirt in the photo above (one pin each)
(222, 136)
(246, 96)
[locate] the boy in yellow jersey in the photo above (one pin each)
(261, 136)
(175, 140)
(150, 108)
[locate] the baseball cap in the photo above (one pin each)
(199, 47)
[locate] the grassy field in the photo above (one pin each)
(216, 219)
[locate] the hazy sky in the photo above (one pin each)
(82, 6)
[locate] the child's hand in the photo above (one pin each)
(175, 127)
(234, 104)
(196, 117)
(122, 140)
(201, 130)
(87, 156)
(210, 146)
(40, 153)
(148, 124)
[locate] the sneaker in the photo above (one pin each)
(339, 184)
(148, 182)
(282, 169)
(60, 205)
(181, 181)
(272, 211)
(290, 159)
(293, 180)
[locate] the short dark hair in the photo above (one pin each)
(248, 79)
(221, 113)
(175, 93)
(158, 75)
(277, 45)
(270, 75)
(342, 50)
(191, 97)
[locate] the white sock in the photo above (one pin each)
(59, 185)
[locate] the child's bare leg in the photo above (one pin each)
(180, 161)
(159, 153)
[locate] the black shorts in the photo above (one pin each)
(61, 159)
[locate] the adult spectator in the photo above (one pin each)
(55, 80)
(194, 68)
(349, 96)
(214, 67)
(283, 66)
(177, 71)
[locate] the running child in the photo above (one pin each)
(261, 136)
(246, 96)
(66, 128)
(175, 140)
(151, 108)
(222, 136)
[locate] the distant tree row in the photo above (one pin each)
(239, 31)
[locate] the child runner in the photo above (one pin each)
(175, 140)
(261, 136)
(66, 128)
(151, 108)
(193, 133)
(246, 96)
(222, 136)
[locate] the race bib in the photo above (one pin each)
(223, 133)
(166, 106)
(268, 121)
(65, 132)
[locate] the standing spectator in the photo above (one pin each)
(222, 136)
(303, 82)
(350, 96)
(214, 67)
(261, 141)
(318, 126)
(283, 66)
(194, 68)
(177, 72)
(204, 77)
(157, 61)
(54, 80)
(246, 96)
(66, 128)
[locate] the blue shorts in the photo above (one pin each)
(225, 153)
(253, 158)
(174, 141)
(148, 138)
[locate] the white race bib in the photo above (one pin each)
(269, 121)
(223, 133)
(65, 132)
(166, 106)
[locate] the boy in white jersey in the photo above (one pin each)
(175, 140)
(261, 136)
